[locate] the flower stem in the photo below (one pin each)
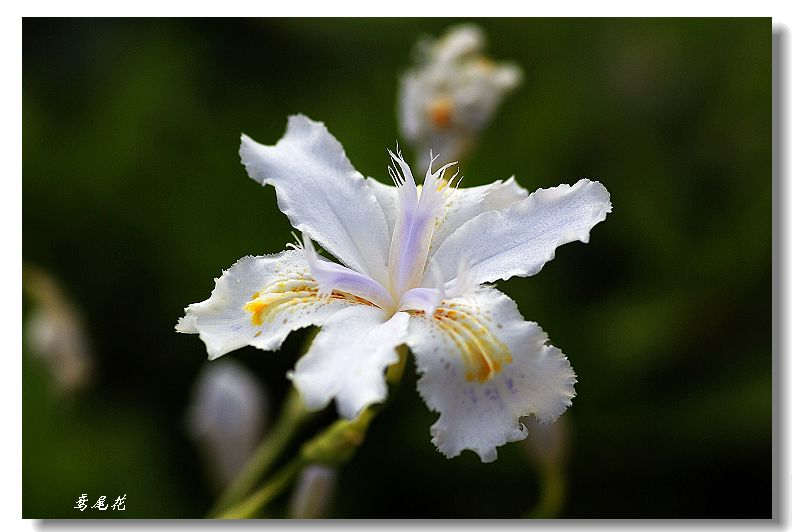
(292, 416)
(250, 506)
(338, 442)
(551, 498)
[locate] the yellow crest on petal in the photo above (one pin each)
(483, 353)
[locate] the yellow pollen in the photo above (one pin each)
(270, 302)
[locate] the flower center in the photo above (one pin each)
(415, 222)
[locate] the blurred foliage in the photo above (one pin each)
(134, 198)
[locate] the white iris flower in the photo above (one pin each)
(412, 263)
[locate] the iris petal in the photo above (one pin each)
(483, 367)
(322, 194)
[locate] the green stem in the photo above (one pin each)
(338, 442)
(291, 418)
(250, 507)
(551, 498)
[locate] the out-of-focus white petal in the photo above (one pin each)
(458, 42)
(226, 417)
(520, 239)
(348, 358)
(483, 368)
(258, 302)
(322, 194)
(507, 76)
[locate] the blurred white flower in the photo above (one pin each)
(55, 333)
(226, 418)
(313, 493)
(451, 93)
(414, 264)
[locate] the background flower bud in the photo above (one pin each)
(226, 418)
(55, 333)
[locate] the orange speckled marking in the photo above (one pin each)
(486, 64)
(284, 294)
(441, 111)
(483, 353)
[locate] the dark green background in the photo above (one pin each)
(134, 197)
